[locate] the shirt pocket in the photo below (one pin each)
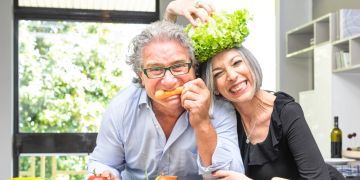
(187, 163)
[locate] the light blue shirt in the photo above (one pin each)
(131, 142)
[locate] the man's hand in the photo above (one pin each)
(195, 98)
(190, 9)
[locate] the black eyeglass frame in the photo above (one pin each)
(168, 68)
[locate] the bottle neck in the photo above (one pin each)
(336, 122)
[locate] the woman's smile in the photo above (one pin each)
(239, 88)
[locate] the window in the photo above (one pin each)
(69, 62)
(68, 72)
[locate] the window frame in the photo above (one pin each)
(59, 143)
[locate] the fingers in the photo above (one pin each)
(190, 9)
(229, 175)
(191, 99)
(196, 13)
(190, 18)
(106, 174)
(194, 89)
(202, 14)
(206, 5)
(195, 97)
(221, 173)
(109, 175)
(198, 82)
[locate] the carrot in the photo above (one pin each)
(161, 94)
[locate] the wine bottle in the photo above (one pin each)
(336, 139)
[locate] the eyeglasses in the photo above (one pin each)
(175, 70)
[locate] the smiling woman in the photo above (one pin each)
(261, 40)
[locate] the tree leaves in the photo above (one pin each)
(68, 72)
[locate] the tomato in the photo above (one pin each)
(95, 177)
(166, 178)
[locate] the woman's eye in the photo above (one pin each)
(237, 62)
(218, 74)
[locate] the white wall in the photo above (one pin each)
(289, 14)
(322, 7)
(6, 74)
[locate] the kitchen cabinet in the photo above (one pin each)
(329, 74)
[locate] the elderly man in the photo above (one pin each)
(161, 124)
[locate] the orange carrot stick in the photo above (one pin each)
(161, 94)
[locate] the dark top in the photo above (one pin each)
(289, 150)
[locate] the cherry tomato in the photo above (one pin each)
(95, 177)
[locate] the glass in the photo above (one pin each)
(69, 71)
(175, 70)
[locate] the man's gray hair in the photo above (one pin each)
(250, 60)
(159, 30)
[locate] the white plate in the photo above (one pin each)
(351, 154)
(338, 161)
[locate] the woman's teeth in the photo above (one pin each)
(238, 87)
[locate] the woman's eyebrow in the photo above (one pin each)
(236, 57)
(215, 69)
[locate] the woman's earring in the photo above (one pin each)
(216, 93)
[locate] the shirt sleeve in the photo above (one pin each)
(302, 144)
(227, 154)
(109, 151)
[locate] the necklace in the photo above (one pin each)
(248, 135)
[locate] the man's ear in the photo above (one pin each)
(197, 70)
(140, 79)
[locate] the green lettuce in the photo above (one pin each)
(222, 31)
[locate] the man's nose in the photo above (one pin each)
(169, 78)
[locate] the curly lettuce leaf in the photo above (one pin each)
(222, 31)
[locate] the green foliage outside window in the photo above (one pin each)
(68, 73)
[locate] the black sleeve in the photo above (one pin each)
(302, 144)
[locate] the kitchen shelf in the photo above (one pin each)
(351, 62)
(301, 40)
(322, 30)
(351, 69)
(304, 53)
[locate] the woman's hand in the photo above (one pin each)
(190, 9)
(229, 175)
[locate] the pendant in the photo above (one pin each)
(247, 140)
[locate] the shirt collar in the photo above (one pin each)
(144, 100)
